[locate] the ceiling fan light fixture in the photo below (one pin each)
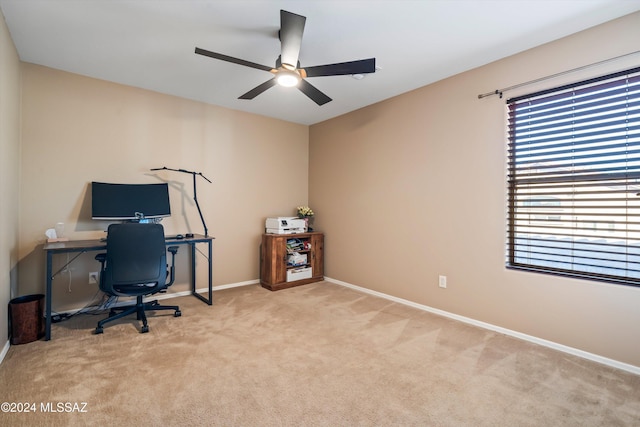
(287, 78)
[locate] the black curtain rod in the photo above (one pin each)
(562, 73)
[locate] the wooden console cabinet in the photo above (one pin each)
(277, 254)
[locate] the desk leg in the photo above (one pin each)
(48, 297)
(209, 301)
(193, 268)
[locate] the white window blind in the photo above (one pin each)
(574, 180)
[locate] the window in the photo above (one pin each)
(574, 180)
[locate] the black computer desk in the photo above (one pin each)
(82, 246)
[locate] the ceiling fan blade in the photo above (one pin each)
(313, 92)
(232, 59)
(362, 66)
(291, 30)
(259, 89)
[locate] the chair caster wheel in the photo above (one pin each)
(99, 331)
(145, 329)
(178, 313)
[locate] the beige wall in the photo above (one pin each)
(414, 187)
(9, 172)
(77, 130)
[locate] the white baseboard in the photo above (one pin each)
(4, 351)
(566, 349)
(204, 290)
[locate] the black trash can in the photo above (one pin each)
(26, 319)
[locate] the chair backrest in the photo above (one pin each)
(136, 259)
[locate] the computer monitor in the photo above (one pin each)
(121, 202)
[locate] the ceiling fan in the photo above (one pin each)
(287, 69)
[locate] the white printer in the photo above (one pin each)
(285, 225)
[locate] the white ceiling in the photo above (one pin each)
(150, 44)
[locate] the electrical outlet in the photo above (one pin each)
(442, 281)
(93, 278)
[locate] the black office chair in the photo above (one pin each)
(135, 264)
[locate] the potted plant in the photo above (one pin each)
(306, 213)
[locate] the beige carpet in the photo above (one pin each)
(316, 355)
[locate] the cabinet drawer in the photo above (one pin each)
(298, 274)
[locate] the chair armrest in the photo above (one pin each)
(173, 250)
(101, 257)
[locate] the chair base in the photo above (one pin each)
(139, 309)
